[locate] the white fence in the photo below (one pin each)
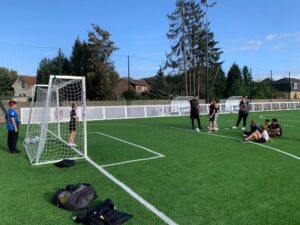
(146, 111)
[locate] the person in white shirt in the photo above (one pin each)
(261, 136)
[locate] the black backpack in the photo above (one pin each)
(104, 213)
(74, 197)
(65, 163)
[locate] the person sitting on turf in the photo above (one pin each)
(259, 136)
(274, 129)
(253, 128)
(267, 123)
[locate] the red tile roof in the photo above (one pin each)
(30, 80)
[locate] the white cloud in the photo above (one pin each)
(251, 45)
(279, 46)
(271, 37)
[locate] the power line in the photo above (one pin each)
(29, 46)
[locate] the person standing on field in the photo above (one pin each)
(72, 125)
(243, 112)
(12, 121)
(194, 115)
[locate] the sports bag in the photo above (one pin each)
(104, 213)
(65, 163)
(74, 197)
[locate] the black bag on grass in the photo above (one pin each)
(104, 213)
(74, 197)
(65, 163)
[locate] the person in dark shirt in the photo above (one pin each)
(253, 128)
(194, 114)
(274, 129)
(243, 113)
(72, 125)
(213, 109)
(12, 122)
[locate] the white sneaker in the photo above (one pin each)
(74, 145)
(216, 128)
(69, 144)
(243, 128)
(234, 127)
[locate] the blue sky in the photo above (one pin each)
(262, 34)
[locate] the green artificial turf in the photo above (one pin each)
(203, 178)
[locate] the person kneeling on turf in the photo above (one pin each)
(259, 136)
(274, 129)
(253, 128)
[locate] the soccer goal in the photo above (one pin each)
(49, 121)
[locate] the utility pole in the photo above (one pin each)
(59, 53)
(128, 77)
(206, 60)
(290, 89)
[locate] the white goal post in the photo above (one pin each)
(49, 123)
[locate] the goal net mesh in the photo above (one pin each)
(48, 130)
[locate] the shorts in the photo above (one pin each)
(212, 119)
(194, 114)
(261, 140)
(72, 126)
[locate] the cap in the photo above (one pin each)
(11, 103)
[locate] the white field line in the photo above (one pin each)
(285, 125)
(232, 138)
(149, 206)
(158, 155)
(130, 143)
(265, 117)
(132, 161)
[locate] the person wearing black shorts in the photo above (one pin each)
(72, 125)
(194, 115)
(243, 113)
(212, 115)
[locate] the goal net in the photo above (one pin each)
(51, 121)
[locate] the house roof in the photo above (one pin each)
(287, 80)
(137, 82)
(285, 84)
(30, 80)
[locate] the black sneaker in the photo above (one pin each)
(16, 151)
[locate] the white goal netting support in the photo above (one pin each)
(49, 121)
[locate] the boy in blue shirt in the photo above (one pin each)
(12, 121)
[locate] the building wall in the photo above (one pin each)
(20, 91)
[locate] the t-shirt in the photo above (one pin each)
(11, 113)
(276, 126)
(73, 116)
(213, 109)
(265, 135)
(194, 104)
(244, 106)
(254, 128)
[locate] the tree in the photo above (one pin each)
(187, 55)
(80, 58)
(234, 81)
(158, 84)
(7, 78)
(59, 65)
(101, 76)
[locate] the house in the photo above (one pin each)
(136, 86)
(287, 87)
(23, 87)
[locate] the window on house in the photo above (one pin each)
(23, 84)
(139, 88)
(295, 86)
